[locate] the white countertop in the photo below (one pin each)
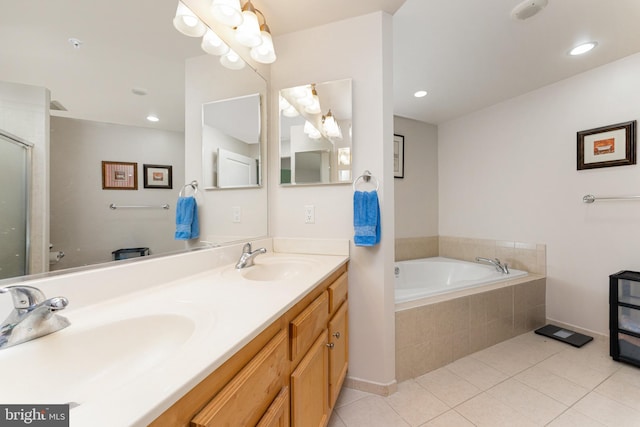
(127, 359)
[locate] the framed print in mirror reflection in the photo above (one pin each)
(158, 176)
(119, 176)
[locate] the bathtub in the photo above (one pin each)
(419, 278)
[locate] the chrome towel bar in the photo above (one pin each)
(114, 206)
(590, 198)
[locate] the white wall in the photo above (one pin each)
(416, 195)
(24, 112)
(82, 225)
(360, 49)
(509, 172)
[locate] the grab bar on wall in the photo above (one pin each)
(114, 206)
(590, 198)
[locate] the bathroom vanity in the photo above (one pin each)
(190, 340)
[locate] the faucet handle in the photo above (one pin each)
(246, 249)
(24, 296)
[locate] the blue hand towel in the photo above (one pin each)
(187, 226)
(366, 218)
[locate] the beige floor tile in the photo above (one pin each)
(476, 372)
(594, 354)
(415, 404)
(622, 390)
(573, 418)
(576, 371)
(370, 411)
(335, 421)
(349, 395)
(448, 387)
(607, 411)
(537, 407)
(449, 419)
(506, 357)
(557, 387)
(485, 410)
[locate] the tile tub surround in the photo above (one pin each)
(433, 335)
(529, 257)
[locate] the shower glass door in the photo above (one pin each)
(15, 164)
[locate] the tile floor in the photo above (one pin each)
(528, 380)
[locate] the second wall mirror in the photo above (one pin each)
(316, 133)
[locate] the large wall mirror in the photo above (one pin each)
(316, 133)
(103, 87)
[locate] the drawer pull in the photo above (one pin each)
(337, 335)
(330, 345)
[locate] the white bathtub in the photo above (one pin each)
(425, 277)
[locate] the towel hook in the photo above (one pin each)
(366, 177)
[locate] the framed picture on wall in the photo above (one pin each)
(119, 176)
(398, 156)
(158, 176)
(607, 146)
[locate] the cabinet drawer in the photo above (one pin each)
(306, 327)
(278, 413)
(246, 398)
(338, 292)
(629, 291)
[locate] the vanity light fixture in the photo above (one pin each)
(187, 22)
(228, 12)
(311, 130)
(331, 127)
(232, 60)
(248, 33)
(314, 107)
(213, 44)
(582, 48)
(287, 109)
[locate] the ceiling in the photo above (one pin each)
(467, 54)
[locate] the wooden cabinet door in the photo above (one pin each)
(309, 387)
(338, 351)
(278, 413)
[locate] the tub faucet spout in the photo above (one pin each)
(502, 268)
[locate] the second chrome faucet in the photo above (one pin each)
(247, 257)
(502, 268)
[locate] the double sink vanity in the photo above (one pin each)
(189, 339)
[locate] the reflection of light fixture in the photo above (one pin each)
(330, 126)
(227, 12)
(248, 33)
(344, 156)
(187, 22)
(213, 44)
(314, 107)
(287, 109)
(232, 60)
(311, 130)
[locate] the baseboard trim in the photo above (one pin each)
(371, 387)
(577, 329)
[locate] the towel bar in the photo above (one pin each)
(114, 206)
(590, 198)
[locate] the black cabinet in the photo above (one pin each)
(624, 316)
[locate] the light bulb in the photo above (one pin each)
(187, 22)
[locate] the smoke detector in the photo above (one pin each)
(528, 8)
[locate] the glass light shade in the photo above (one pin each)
(331, 126)
(232, 60)
(299, 91)
(314, 108)
(264, 53)
(187, 22)
(311, 131)
(306, 100)
(213, 44)
(228, 12)
(248, 33)
(290, 111)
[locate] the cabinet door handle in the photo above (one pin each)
(330, 345)
(337, 335)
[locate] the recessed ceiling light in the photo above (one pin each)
(420, 93)
(153, 118)
(75, 42)
(583, 48)
(139, 91)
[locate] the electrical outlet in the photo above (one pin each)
(237, 214)
(309, 214)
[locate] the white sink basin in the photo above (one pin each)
(272, 269)
(79, 361)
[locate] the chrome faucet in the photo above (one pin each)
(502, 268)
(33, 315)
(247, 257)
